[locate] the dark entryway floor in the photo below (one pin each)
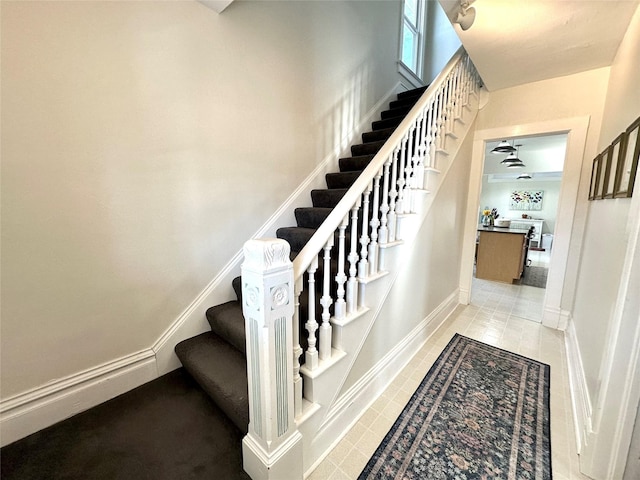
(166, 429)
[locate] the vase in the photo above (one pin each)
(486, 221)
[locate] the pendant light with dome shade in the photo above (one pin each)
(512, 161)
(504, 147)
(524, 176)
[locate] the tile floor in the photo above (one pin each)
(494, 317)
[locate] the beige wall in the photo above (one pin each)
(131, 132)
(606, 233)
(607, 305)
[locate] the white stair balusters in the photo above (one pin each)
(326, 301)
(401, 176)
(363, 265)
(352, 283)
(393, 195)
(375, 223)
(340, 307)
(383, 235)
(311, 355)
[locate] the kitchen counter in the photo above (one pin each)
(519, 231)
(501, 253)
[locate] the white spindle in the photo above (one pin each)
(375, 223)
(363, 265)
(401, 182)
(383, 233)
(393, 194)
(427, 139)
(341, 278)
(383, 236)
(326, 301)
(418, 174)
(352, 283)
(408, 170)
(311, 355)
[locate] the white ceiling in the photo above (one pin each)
(513, 42)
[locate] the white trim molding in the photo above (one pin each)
(28, 412)
(576, 129)
(582, 408)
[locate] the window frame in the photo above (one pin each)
(413, 77)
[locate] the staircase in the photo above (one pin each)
(217, 359)
(307, 300)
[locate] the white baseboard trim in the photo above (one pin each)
(192, 321)
(581, 402)
(31, 411)
(355, 401)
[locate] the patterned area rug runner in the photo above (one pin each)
(480, 413)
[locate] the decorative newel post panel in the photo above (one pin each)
(272, 448)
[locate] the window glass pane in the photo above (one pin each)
(411, 11)
(409, 44)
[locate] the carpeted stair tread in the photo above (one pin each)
(341, 179)
(387, 123)
(355, 163)
(416, 92)
(404, 102)
(296, 236)
(367, 148)
(396, 112)
(377, 135)
(327, 197)
(226, 320)
(311, 217)
(221, 371)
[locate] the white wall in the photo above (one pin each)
(498, 195)
(440, 32)
(144, 142)
(607, 304)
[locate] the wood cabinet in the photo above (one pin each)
(501, 255)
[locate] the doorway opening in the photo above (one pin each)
(517, 211)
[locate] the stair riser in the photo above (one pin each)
(311, 217)
(396, 112)
(377, 135)
(366, 148)
(341, 180)
(355, 164)
(388, 123)
(327, 198)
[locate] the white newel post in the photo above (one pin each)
(272, 448)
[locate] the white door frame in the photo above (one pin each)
(555, 308)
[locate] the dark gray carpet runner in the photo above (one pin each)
(216, 359)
